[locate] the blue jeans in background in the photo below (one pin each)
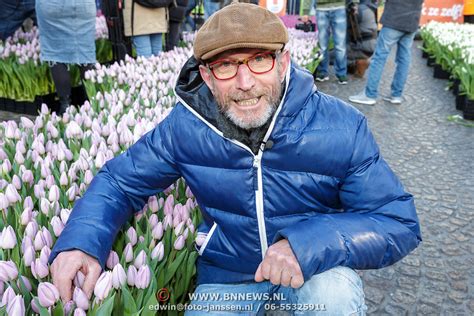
(335, 22)
(12, 15)
(148, 45)
(210, 7)
(387, 38)
(335, 292)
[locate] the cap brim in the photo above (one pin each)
(214, 52)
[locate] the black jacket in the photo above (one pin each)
(402, 15)
(177, 12)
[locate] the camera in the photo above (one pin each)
(306, 25)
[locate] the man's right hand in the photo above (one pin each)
(65, 267)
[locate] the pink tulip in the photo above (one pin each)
(31, 230)
(16, 181)
(47, 237)
(47, 294)
(8, 240)
(25, 217)
(79, 279)
(26, 283)
(143, 277)
(27, 123)
(128, 253)
(157, 231)
(131, 275)
(28, 203)
(57, 225)
(168, 221)
(168, 207)
(88, 176)
(153, 220)
(200, 238)
(8, 296)
(179, 242)
(63, 180)
(119, 277)
(112, 260)
(39, 241)
(158, 251)
(71, 194)
(54, 193)
(80, 298)
(178, 230)
(176, 219)
(6, 166)
(153, 204)
(39, 269)
(45, 206)
(16, 306)
(44, 255)
(3, 201)
(29, 256)
(189, 194)
(132, 236)
(8, 271)
(27, 177)
(103, 285)
(140, 259)
(12, 194)
(79, 312)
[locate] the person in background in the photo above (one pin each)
(176, 17)
(400, 20)
(211, 6)
(146, 27)
(67, 36)
(293, 190)
(331, 18)
(189, 23)
(12, 15)
(362, 39)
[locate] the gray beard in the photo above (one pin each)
(255, 122)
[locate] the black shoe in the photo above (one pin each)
(64, 103)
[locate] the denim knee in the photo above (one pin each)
(339, 291)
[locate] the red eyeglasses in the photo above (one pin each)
(260, 63)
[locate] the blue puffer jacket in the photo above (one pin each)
(322, 185)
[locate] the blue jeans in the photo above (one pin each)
(12, 15)
(386, 40)
(333, 21)
(148, 45)
(210, 7)
(335, 292)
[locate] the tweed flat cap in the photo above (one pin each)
(239, 25)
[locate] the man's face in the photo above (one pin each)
(248, 99)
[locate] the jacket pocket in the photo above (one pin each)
(208, 237)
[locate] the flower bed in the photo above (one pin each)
(46, 165)
(23, 76)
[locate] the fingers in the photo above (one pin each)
(93, 270)
(63, 271)
(258, 275)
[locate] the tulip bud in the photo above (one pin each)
(112, 260)
(39, 269)
(29, 256)
(16, 306)
(71, 194)
(54, 193)
(8, 240)
(28, 203)
(153, 220)
(44, 255)
(131, 275)
(27, 177)
(143, 277)
(167, 222)
(88, 176)
(16, 182)
(4, 203)
(8, 296)
(178, 230)
(47, 237)
(31, 230)
(12, 194)
(44, 206)
(57, 225)
(8, 271)
(63, 180)
(119, 277)
(157, 231)
(25, 281)
(188, 193)
(80, 298)
(179, 242)
(140, 259)
(103, 285)
(64, 214)
(128, 253)
(79, 279)
(25, 217)
(132, 236)
(158, 251)
(200, 238)
(153, 204)
(47, 294)
(79, 312)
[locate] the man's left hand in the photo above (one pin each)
(280, 266)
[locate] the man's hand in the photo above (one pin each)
(280, 266)
(65, 267)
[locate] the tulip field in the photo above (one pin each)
(46, 164)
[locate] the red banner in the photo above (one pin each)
(442, 11)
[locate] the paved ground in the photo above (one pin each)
(435, 160)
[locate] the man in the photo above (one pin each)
(331, 19)
(12, 15)
(292, 187)
(400, 20)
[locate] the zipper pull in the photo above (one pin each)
(256, 165)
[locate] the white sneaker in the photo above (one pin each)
(393, 100)
(362, 99)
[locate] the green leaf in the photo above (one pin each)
(106, 308)
(58, 310)
(152, 301)
(128, 302)
(43, 310)
(171, 270)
